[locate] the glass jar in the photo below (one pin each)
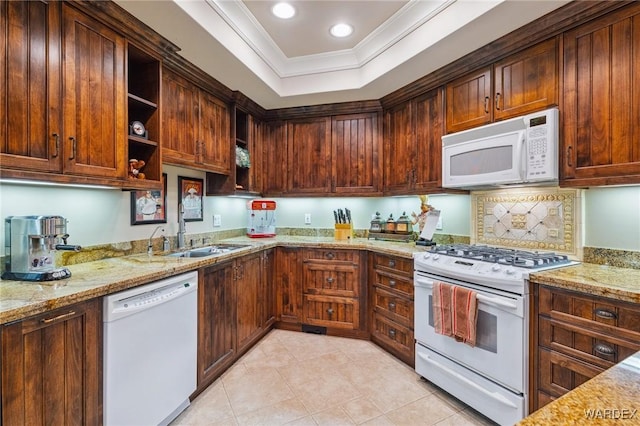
(390, 225)
(403, 224)
(377, 224)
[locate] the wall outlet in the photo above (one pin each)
(217, 220)
(307, 218)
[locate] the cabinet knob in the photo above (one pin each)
(330, 311)
(392, 306)
(392, 264)
(604, 313)
(329, 280)
(604, 350)
(392, 333)
(392, 283)
(330, 255)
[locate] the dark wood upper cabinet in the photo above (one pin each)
(356, 157)
(195, 126)
(412, 147)
(521, 83)
(272, 162)
(30, 70)
(94, 97)
(601, 108)
(309, 156)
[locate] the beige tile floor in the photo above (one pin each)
(293, 378)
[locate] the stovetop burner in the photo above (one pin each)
(504, 256)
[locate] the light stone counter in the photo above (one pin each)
(21, 299)
(599, 280)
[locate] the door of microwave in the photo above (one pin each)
(488, 161)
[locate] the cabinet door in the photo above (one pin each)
(268, 301)
(249, 298)
(288, 285)
(216, 322)
(30, 133)
(429, 128)
(273, 161)
(309, 156)
(94, 97)
(52, 367)
(357, 165)
(469, 102)
(527, 81)
(179, 119)
(214, 140)
(601, 111)
(399, 149)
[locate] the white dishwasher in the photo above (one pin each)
(150, 350)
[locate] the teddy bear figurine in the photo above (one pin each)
(134, 169)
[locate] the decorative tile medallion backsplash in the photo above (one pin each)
(529, 218)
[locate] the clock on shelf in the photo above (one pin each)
(136, 128)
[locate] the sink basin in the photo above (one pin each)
(214, 250)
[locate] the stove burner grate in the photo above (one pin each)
(505, 256)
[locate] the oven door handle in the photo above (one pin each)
(454, 374)
(494, 301)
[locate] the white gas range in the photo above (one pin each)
(491, 376)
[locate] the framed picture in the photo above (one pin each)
(190, 191)
(149, 206)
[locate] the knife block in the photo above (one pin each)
(343, 231)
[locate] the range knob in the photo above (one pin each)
(510, 271)
(436, 256)
(495, 268)
(426, 256)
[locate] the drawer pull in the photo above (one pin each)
(392, 333)
(392, 306)
(330, 311)
(330, 255)
(392, 283)
(56, 318)
(392, 264)
(604, 350)
(329, 280)
(603, 313)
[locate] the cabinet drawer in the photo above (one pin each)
(395, 264)
(558, 373)
(350, 256)
(331, 279)
(394, 335)
(334, 312)
(403, 286)
(399, 309)
(595, 348)
(605, 315)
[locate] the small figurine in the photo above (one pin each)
(134, 169)
(421, 218)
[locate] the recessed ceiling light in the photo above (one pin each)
(283, 10)
(341, 30)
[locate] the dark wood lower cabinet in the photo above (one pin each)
(52, 367)
(216, 322)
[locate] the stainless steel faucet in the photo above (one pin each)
(181, 227)
(150, 243)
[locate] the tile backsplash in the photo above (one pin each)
(529, 218)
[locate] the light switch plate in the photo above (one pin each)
(307, 218)
(217, 220)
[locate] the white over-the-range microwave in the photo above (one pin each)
(522, 150)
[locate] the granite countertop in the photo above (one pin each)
(21, 299)
(612, 397)
(599, 280)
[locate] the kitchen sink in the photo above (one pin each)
(214, 250)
